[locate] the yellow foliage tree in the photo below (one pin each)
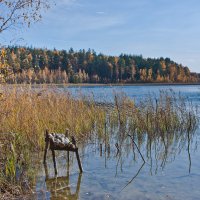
(4, 67)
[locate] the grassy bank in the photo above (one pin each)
(26, 113)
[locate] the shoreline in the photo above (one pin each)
(121, 84)
(105, 84)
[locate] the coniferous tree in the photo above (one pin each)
(53, 66)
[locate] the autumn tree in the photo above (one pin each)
(54, 66)
(15, 13)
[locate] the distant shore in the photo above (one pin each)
(124, 84)
(104, 84)
(116, 84)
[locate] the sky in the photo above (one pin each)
(152, 28)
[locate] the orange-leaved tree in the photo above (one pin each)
(16, 14)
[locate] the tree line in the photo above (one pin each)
(37, 65)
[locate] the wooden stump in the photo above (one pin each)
(56, 141)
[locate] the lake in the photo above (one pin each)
(168, 173)
(105, 93)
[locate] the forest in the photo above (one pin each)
(40, 65)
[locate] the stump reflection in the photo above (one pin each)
(60, 188)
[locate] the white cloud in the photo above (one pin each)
(66, 2)
(100, 12)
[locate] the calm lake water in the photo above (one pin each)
(172, 174)
(105, 93)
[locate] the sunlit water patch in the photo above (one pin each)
(171, 173)
(171, 167)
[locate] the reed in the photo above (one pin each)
(166, 114)
(155, 123)
(27, 112)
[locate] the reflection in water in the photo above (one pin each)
(159, 149)
(145, 153)
(59, 187)
(129, 158)
(188, 150)
(138, 172)
(123, 169)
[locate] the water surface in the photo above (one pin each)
(134, 92)
(172, 173)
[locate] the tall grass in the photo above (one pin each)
(156, 115)
(27, 112)
(161, 124)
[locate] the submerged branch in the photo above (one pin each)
(137, 147)
(138, 172)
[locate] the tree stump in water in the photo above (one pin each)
(57, 141)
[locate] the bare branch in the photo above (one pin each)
(20, 12)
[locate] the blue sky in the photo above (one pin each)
(153, 28)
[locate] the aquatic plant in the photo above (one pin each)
(162, 125)
(27, 112)
(158, 122)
